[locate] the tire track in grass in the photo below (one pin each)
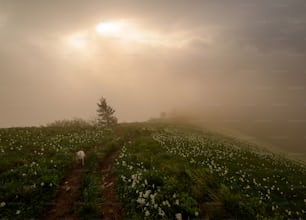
(110, 207)
(66, 201)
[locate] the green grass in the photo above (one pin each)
(202, 168)
(91, 195)
(33, 163)
(152, 183)
(90, 198)
(163, 171)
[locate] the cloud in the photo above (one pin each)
(205, 53)
(3, 20)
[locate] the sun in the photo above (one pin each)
(112, 29)
(124, 31)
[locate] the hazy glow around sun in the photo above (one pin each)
(128, 33)
(78, 40)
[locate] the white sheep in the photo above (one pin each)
(80, 155)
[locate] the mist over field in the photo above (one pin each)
(239, 65)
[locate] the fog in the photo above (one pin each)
(240, 64)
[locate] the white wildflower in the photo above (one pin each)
(18, 212)
(147, 193)
(140, 201)
(166, 203)
(178, 216)
(161, 212)
(133, 184)
(152, 196)
(2, 204)
(147, 213)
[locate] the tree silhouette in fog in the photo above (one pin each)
(105, 113)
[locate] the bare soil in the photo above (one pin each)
(110, 207)
(66, 201)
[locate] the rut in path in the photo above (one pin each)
(110, 207)
(65, 202)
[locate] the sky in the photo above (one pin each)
(237, 63)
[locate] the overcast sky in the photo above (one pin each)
(232, 60)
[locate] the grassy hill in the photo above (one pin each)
(161, 171)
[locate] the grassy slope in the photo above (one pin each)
(176, 170)
(162, 171)
(33, 163)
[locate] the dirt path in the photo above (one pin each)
(66, 203)
(111, 208)
(66, 199)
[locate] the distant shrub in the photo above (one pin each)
(78, 122)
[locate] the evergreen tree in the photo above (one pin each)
(105, 113)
